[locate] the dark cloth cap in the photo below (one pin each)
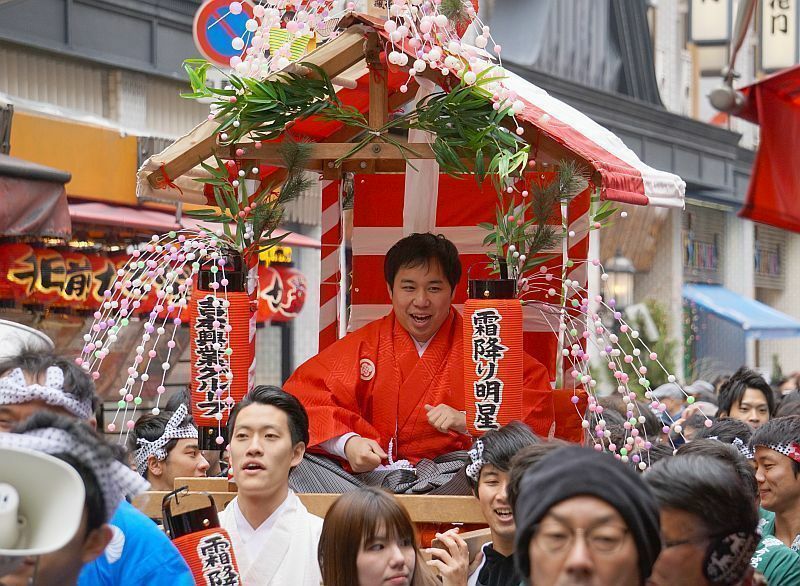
(574, 471)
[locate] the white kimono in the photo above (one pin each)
(282, 551)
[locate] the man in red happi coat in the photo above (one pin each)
(397, 384)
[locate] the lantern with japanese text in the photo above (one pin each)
(293, 287)
(269, 287)
(493, 355)
(197, 535)
(219, 321)
(14, 258)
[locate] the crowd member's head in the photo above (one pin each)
(708, 521)
(106, 481)
(671, 395)
(693, 425)
(525, 459)
(368, 539)
(585, 518)
(790, 405)
(730, 431)
(268, 433)
(776, 447)
(789, 384)
(734, 454)
(421, 272)
(488, 476)
(35, 380)
(165, 447)
(702, 391)
(748, 397)
(183, 397)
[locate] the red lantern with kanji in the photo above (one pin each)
(220, 351)
(292, 295)
(51, 274)
(270, 290)
(17, 272)
(492, 363)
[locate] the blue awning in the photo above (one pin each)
(759, 321)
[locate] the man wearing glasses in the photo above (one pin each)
(585, 518)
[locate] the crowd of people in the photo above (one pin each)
(382, 412)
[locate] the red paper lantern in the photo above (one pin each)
(270, 290)
(292, 295)
(210, 388)
(17, 271)
(492, 363)
(210, 556)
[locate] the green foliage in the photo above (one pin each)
(455, 11)
(252, 229)
(664, 346)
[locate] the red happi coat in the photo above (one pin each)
(374, 383)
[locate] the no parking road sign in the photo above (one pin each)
(215, 26)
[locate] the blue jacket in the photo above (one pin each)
(139, 554)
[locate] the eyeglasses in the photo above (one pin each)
(555, 538)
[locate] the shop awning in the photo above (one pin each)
(773, 196)
(156, 222)
(758, 320)
(34, 202)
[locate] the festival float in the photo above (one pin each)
(406, 114)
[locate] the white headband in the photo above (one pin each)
(788, 449)
(115, 479)
(173, 430)
(476, 455)
(15, 390)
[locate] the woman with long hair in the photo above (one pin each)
(368, 539)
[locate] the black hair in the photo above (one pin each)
(707, 488)
(726, 430)
(733, 390)
(87, 437)
(696, 423)
(419, 250)
(280, 399)
(151, 427)
(727, 453)
(656, 453)
(525, 459)
(500, 445)
(789, 405)
(178, 398)
(77, 381)
(778, 431)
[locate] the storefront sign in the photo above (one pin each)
(778, 43)
(709, 21)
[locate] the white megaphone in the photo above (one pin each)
(41, 505)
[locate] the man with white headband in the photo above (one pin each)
(139, 552)
(165, 447)
(107, 481)
(776, 446)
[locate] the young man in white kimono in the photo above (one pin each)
(274, 536)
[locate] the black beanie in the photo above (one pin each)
(574, 471)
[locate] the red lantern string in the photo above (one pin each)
(492, 363)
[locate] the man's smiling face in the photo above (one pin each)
(421, 297)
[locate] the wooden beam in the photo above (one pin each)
(271, 153)
(334, 57)
(421, 508)
(378, 83)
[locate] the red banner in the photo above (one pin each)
(492, 363)
(209, 555)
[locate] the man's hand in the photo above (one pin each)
(444, 418)
(363, 454)
(453, 562)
